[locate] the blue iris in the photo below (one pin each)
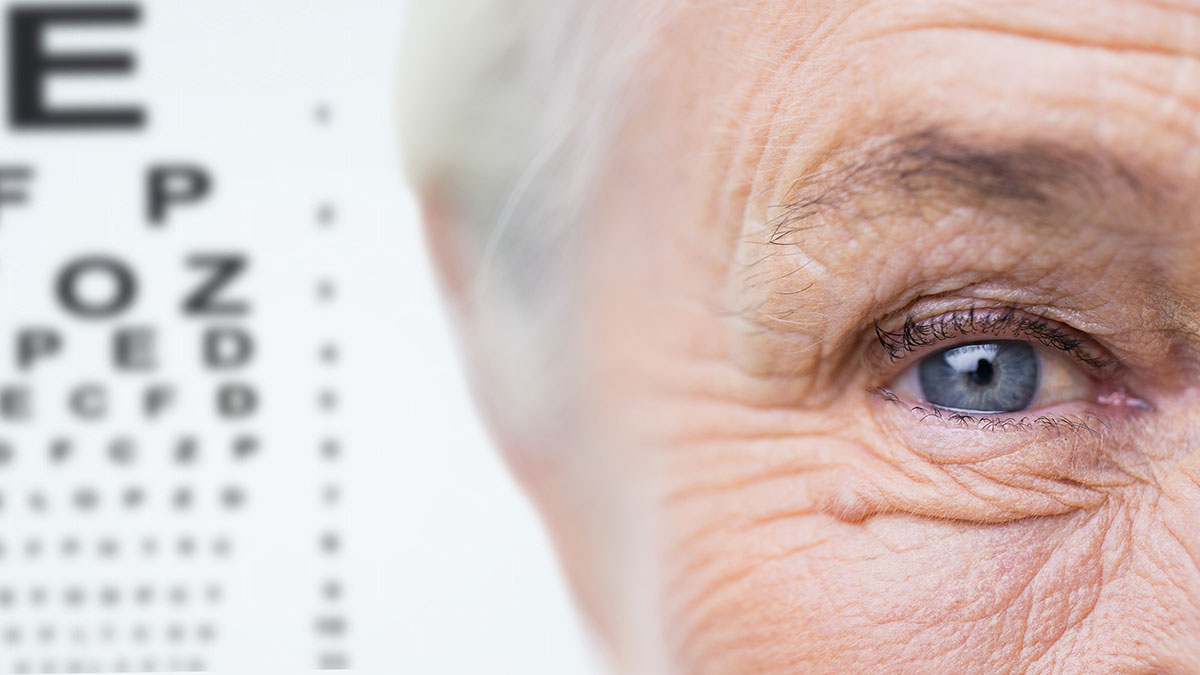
(986, 377)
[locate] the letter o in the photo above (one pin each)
(124, 287)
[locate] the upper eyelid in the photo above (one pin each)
(919, 336)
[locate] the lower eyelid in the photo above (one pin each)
(1060, 419)
(1071, 443)
(946, 471)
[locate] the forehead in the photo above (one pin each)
(783, 86)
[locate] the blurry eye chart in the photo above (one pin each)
(202, 316)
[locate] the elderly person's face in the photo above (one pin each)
(883, 344)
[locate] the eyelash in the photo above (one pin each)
(915, 335)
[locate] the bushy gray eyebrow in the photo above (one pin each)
(1038, 178)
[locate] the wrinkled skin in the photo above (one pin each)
(739, 497)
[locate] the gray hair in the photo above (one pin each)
(508, 110)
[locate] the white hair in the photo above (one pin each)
(508, 111)
(511, 108)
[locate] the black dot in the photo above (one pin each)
(69, 547)
(108, 548)
(182, 499)
(86, 499)
(233, 497)
(327, 399)
(6, 453)
(179, 595)
(330, 625)
(60, 450)
(332, 494)
(332, 590)
(221, 547)
(73, 597)
(121, 451)
(133, 497)
(326, 215)
(323, 113)
(331, 449)
(329, 353)
(186, 546)
(186, 451)
(33, 548)
(331, 543)
(244, 447)
(326, 290)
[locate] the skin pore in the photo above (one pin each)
(752, 487)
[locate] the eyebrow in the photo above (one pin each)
(1035, 179)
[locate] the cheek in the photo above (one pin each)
(807, 592)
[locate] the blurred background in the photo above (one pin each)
(234, 434)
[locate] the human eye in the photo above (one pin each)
(1001, 376)
(1000, 367)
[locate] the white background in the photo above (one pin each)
(446, 566)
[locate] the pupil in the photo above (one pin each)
(982, 375)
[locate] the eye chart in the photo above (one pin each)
(200, 316)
